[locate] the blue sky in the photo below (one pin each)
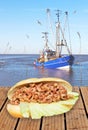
(21, 33)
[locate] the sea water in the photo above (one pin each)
(16, 67)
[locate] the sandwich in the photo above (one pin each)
(38, 97)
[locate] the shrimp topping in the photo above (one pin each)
(43, 92)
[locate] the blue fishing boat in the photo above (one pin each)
(54, 58)
(59, 63)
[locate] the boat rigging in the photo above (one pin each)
(54, 58)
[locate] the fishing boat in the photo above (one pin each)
(54, 59)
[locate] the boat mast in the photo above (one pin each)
(46, 40)
(58, 34)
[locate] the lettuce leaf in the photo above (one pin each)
(37, 110)
(24, 109)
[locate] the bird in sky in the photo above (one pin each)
(39, 22)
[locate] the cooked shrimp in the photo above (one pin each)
(45, 92)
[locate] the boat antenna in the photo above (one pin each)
(46, 40)
(58, 34)
(50, 22)
(58, 15)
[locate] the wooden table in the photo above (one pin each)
(76, 119)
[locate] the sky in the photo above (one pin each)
(21, 33)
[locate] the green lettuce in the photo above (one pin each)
(24, 109)
(37, 110)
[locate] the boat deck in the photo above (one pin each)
(76, 119)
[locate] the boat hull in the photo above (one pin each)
(58, 63)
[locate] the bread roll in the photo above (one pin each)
(37, 97)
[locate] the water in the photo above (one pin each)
(14, 68)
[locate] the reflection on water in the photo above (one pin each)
(18, 67)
